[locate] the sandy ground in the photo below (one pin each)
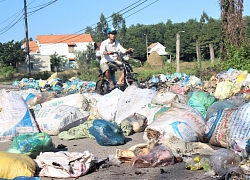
(123, 171)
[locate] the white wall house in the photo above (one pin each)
(160, 49)
(63, 45)
(157, 47)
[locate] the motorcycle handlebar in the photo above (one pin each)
(120, 53)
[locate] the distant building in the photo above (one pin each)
(157, 47)
(160, 50)
(63, 45)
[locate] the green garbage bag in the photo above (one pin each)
(201, 101)
(31, 144)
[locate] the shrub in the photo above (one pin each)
(8, 72)
(238, 58)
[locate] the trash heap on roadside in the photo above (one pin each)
(180, 117)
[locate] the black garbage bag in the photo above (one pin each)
(107, 133)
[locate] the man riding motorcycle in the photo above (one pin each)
(109, 58)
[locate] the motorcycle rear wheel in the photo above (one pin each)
(102, 87)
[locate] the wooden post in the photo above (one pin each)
(211, 49)
(198, 52)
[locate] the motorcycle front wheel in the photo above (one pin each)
(136, 83)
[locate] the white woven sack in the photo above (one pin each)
(107, 105)
(184, 123)
(227, 125)
(75, 100)
(15, 116)
(55, 119)
(131, 100)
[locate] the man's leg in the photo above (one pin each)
(105, 68)
(121, 79)
(120, 66)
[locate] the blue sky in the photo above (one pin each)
(73, 16)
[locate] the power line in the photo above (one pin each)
(64, 39)
(10, 26)
(12, 23)
(42, 6)
(141, 9)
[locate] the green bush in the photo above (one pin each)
(134, 63)
(89, 75)
(237, 58)
(94, 64)
(8, 72)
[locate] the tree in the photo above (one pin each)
(101, 29)
(117, 20)
(57, 61)
(90, 53)
(209, 34)
(247, 27)
(84, 58)
(11, 53)
(233, 32)
(89, 30)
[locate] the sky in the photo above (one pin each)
(45, 17)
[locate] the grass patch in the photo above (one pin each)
(191, 68)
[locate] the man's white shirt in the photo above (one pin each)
(107, 46)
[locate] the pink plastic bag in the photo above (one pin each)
(158, 156)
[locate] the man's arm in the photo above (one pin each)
(123, 50)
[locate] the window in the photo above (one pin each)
(71, 47)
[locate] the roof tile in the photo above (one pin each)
(67, 38)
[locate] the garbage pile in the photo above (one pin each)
(179, 116)
(57, 85)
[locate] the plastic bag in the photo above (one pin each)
(222, 160)
(31, 145)
(139, 122)
(14, 165)
(201, 101)
(197, 163)
(158, 156)
(106, 133)
(219, 105)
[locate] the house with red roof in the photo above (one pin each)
(63, 45)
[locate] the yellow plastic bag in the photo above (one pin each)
(13, 165)
(224, 90)
(241, 77)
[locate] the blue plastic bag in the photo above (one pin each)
(107, 133)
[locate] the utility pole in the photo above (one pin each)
(146, 44)
(178, 51)
(27, 49)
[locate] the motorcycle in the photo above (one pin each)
(130, 78)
